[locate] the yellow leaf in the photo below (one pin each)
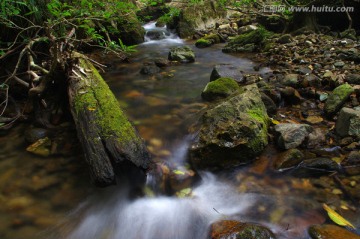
(178, 172)
(335, 217)
(91, 108)
(274, 121)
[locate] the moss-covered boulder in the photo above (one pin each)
(337, 99)
(194, 17)
(182, 54)
(130, 29)
(207, 41)
(230, 229)
(220, 88)
(247, 42)
(233, 132)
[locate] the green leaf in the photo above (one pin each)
(178, 172)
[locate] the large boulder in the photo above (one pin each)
(291, 135)
(233, 132)
(220, 88)
(230, 229)
(337, 99)
(182, 54)
(130, 29)
(348, 122)
(227, 70)
(196, 17)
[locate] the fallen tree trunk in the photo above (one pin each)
(111, 144)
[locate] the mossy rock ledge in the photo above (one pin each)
(111, 144)
(233, 132)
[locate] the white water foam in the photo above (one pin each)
(162, 217)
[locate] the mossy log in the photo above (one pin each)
(111, 144)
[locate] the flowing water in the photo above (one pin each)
(164, 108)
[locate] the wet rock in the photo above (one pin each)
(149, 69)
(229, 229)
(330, 232)
(288, 159)
(351, 164)
(312, 80)
(161, 62)
(353, 79)
(303, 70)
(284, 39)
(291, 80)
(269, 104)
(337, 99)
(220, 88)
(348, 122)
(182, 54)
(290, 95)
(34, 134)
(246, 29)
(292, 135)
(350, 55)
(156, 34)
(349, 33)
(232, 132)
(319, 165)
(339, 64)
(227, 70)
(316, 138)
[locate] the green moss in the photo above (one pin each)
(337, 98)
(220, 88)
(100, 100)
(256, 37)
(202, 43)
(260, 116)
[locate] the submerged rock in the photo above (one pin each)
(348, 122)
(220, 88)
(292, 135)
(182, 54)
(288, 159)
(233, 132)
(227, 70)
(337, 99)
(330, 232)
(230, 229)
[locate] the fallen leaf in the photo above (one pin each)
(178, 172)
(314, 119)
(274, 121)
(335, 217)
(91, 108)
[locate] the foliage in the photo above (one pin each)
(166, 18)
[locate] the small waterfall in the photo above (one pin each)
(161, 217)
(159, 35)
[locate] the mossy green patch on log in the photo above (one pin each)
(109, 116)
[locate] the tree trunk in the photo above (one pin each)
(111, 144)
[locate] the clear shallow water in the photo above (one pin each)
(163, 109)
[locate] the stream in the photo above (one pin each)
(164, 108)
